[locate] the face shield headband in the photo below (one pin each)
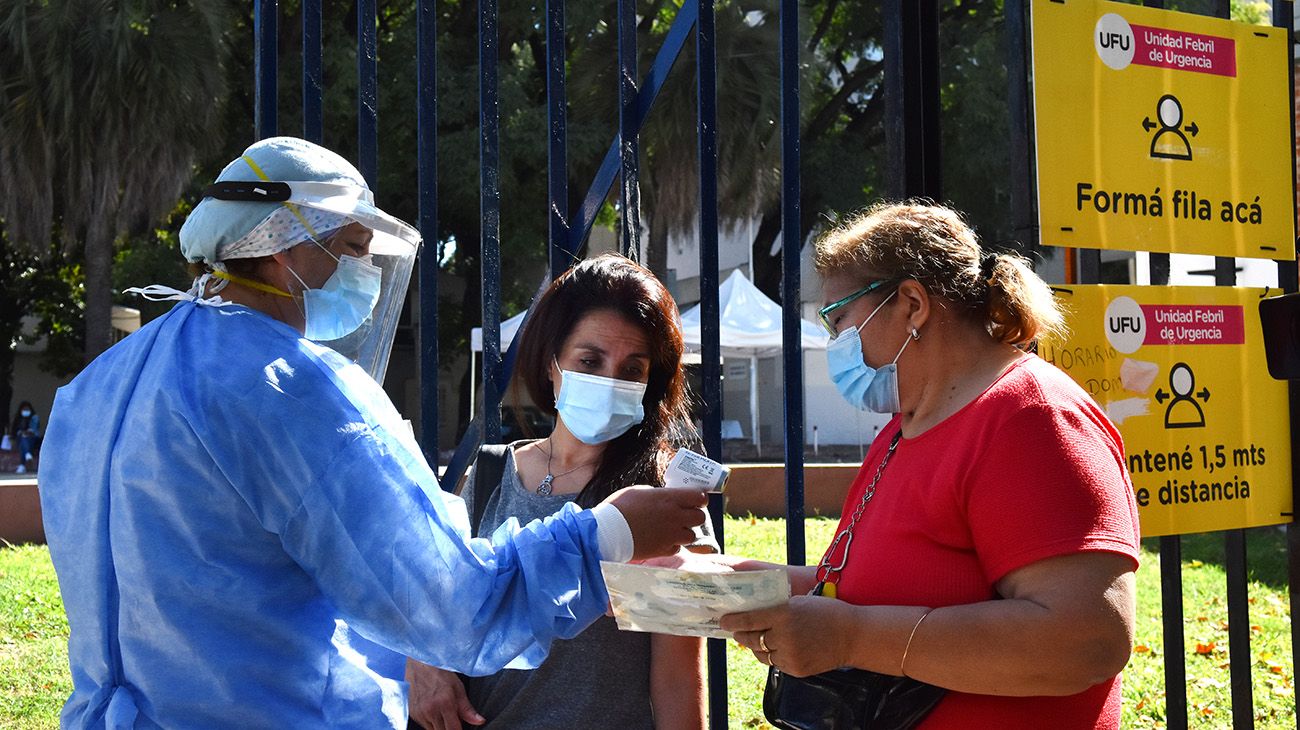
(392, 248)
(392, 237)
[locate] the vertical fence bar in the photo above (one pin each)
(1023, 219)
(312, 84)
(711, 349)
(557, 171)
(426, 103)
(1234, 556)
(490, 206)
(1288, 278)
(628, 131)
(1089, 265)
(1158, 265)
(791, 240)
(896, 131)
(710, 345)
(367, 93)
(911, 45)
(926, 82)
(1292, 533)
(1234, 565)
(1171, 564)
(1171, 617)
(265, 67)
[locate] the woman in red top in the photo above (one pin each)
(994, 555)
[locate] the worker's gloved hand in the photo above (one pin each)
(660, 519)
(437, 698)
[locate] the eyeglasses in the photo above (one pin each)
(824, 313)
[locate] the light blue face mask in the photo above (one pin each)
(346, 300)
(596, 409)
(863, 386)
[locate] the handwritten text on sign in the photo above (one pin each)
(1180, 372)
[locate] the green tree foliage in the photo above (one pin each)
(103, 107)
(39, 296)
(844, 166)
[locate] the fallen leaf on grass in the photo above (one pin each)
(1205, 648)
(1141, 649)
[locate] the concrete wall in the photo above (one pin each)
(760, 489)
(20, 512)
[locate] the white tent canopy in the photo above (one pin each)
(749, 325)
(509, 328)
(749, 322)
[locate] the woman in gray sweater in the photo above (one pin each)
(602, 350)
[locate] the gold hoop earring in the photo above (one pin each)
(915, 334)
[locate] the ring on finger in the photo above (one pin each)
(762, 643)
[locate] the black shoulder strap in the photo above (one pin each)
(488, 470)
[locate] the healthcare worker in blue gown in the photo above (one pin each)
(245, 532)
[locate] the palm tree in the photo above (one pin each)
(748, 107)
(749, 133)
(104, 106)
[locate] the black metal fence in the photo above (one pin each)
(912, 132)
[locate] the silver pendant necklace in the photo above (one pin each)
(545, 488)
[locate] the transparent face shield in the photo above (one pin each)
(393, 249)
(371, 344)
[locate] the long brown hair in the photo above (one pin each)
(933, 245)
(617, 284)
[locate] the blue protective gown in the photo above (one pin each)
(246, 535)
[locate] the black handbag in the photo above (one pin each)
(848, 698)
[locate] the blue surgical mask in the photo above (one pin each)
(863, 386)
(346, 300)
(26, 412)
(596, 409)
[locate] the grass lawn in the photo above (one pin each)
(34, 677)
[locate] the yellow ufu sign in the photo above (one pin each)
(1161, 131)
(1181, 373)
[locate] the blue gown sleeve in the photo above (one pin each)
(324, 461)
(388, 557)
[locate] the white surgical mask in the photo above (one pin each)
(596, 409)
(864, 387)
(346, 300)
